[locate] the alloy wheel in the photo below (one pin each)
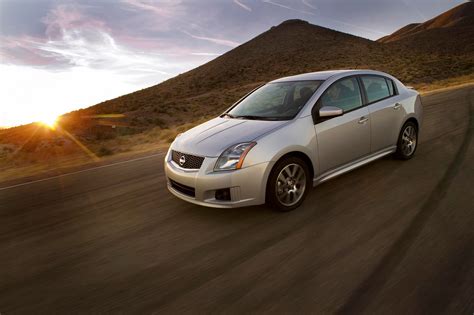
(291, 184)
(409, 139)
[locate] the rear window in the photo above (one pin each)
(376, 88)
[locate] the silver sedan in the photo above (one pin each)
(293, 133)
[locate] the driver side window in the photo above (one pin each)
(344, 94)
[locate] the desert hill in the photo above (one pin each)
(450, 32)
(460, 16)
(401, 33)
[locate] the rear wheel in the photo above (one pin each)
(288, 184)
(407, 141)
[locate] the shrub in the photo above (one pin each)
(160, 122)
(103, 151)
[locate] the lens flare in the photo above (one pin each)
(49, 121)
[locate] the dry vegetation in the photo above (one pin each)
(435, 55)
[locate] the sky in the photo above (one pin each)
(61, 55)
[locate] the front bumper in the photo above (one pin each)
(247, 185)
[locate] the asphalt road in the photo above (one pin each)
(390, 237)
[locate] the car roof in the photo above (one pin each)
(324, 75)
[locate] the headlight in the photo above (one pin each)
(233, 157)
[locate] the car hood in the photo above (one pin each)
(213, 137)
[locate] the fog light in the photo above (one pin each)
(223, 194)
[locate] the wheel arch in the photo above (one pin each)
(414, 120)
(411, 118)
(300, 155)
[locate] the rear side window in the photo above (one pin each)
(344, 94)
(376, 88)
(391, 87)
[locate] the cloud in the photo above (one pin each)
(74, 37)
(162, 10)
(308, 4)
(286, 7)
(218, 41)
(69, 16)
(23, 50)
(164, 15)
(243, 6)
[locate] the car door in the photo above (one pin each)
(344, 138)
(386, 112)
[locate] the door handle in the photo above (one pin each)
(397, 106)
(363, 120)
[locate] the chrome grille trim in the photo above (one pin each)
(191, 161)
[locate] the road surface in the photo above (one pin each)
(391, 237)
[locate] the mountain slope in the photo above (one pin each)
(451, 31)
(404, 31)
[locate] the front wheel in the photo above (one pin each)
(407, 141)
(288, 184)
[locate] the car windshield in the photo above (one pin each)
(275, 101)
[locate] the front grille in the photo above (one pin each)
(189, 191)
(190, 161)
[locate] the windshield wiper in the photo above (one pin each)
(227, 115)
(252, 117)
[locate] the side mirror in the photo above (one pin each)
(330, 111)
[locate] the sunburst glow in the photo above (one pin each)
(49, 121)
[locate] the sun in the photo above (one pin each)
(49, 121)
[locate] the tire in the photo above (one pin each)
(407, 141)
(285, 191)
